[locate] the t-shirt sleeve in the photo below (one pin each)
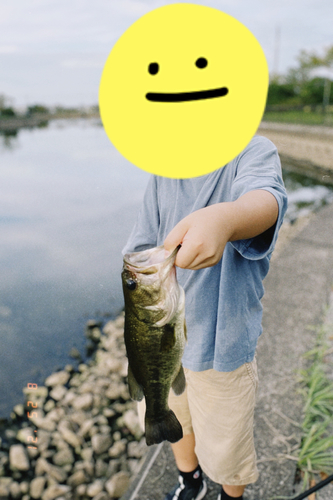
(145, 230)
(259, 167)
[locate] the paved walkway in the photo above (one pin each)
(297, 290)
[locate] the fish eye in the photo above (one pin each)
(201, 62)
(153, 68)
(131, 284)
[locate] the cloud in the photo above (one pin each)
(8, 49)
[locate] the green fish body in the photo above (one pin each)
(155, 335)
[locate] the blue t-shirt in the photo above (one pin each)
(223, 308)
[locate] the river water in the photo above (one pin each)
(68, 202)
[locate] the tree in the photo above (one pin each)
(310, 61)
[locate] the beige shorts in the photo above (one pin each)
(218, 407)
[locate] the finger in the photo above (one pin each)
(187, 255)
(176, 236)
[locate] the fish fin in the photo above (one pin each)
(178, 385)
(135, 389)
(166, 428)
(168, 339)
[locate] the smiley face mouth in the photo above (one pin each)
(186, 96)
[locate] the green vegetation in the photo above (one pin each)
(300, 96)
(7, 112)
(316, 453)
(305, 117)
(37, 109)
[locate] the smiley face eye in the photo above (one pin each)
(201, 62)
(153, 68)
(131, 284)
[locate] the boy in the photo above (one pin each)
(227, 223)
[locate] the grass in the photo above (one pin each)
(315, 454)
(299, 117)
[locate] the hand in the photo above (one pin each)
(203, 235)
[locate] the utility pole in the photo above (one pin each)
(277, 51)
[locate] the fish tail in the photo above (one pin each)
(166, 428)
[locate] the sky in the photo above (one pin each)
(52, 52)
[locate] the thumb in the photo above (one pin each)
(176, 235)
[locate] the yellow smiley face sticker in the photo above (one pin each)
(183, 90)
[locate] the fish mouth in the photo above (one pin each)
(186, 96)
(144, 263)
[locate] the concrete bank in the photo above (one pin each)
(303, 148)
(297, 291)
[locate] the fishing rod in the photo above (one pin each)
(314, 488)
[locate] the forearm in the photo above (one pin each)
(252, 214)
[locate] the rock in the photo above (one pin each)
(115, 391)
(79, 477)
(100, 468)
(24, 487)
(18, 458)
(19, 410)
(131, 420)
(10, 434)
(55, 491)
(70, 395)
(44, 438)
(117, 449)
(101, 496)
(94, 334)
(105, 429)
(56, 414)
(57, 473)
(58, 392)
(118, 484)
(63, 457)
(75, 353)
(15, 490)
(44, 423)
(119, 323)
(37, 487)
(69, 436)
(87, 454)
(86, 426)
(133, 465)
(49, 405)
(81, 490)
(108, 412)
(38, 392)
(4, 492)
(137, 450)
(53, 471)
(95, 488)
(83, 402)
(58, 378)
(101, 443)
(94, 430)
(23, 434)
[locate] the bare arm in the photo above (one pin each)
(204, 233)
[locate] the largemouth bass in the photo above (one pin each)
(155, 335)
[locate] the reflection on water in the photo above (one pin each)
(68, 202)
(305, 195)
(67, 205)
